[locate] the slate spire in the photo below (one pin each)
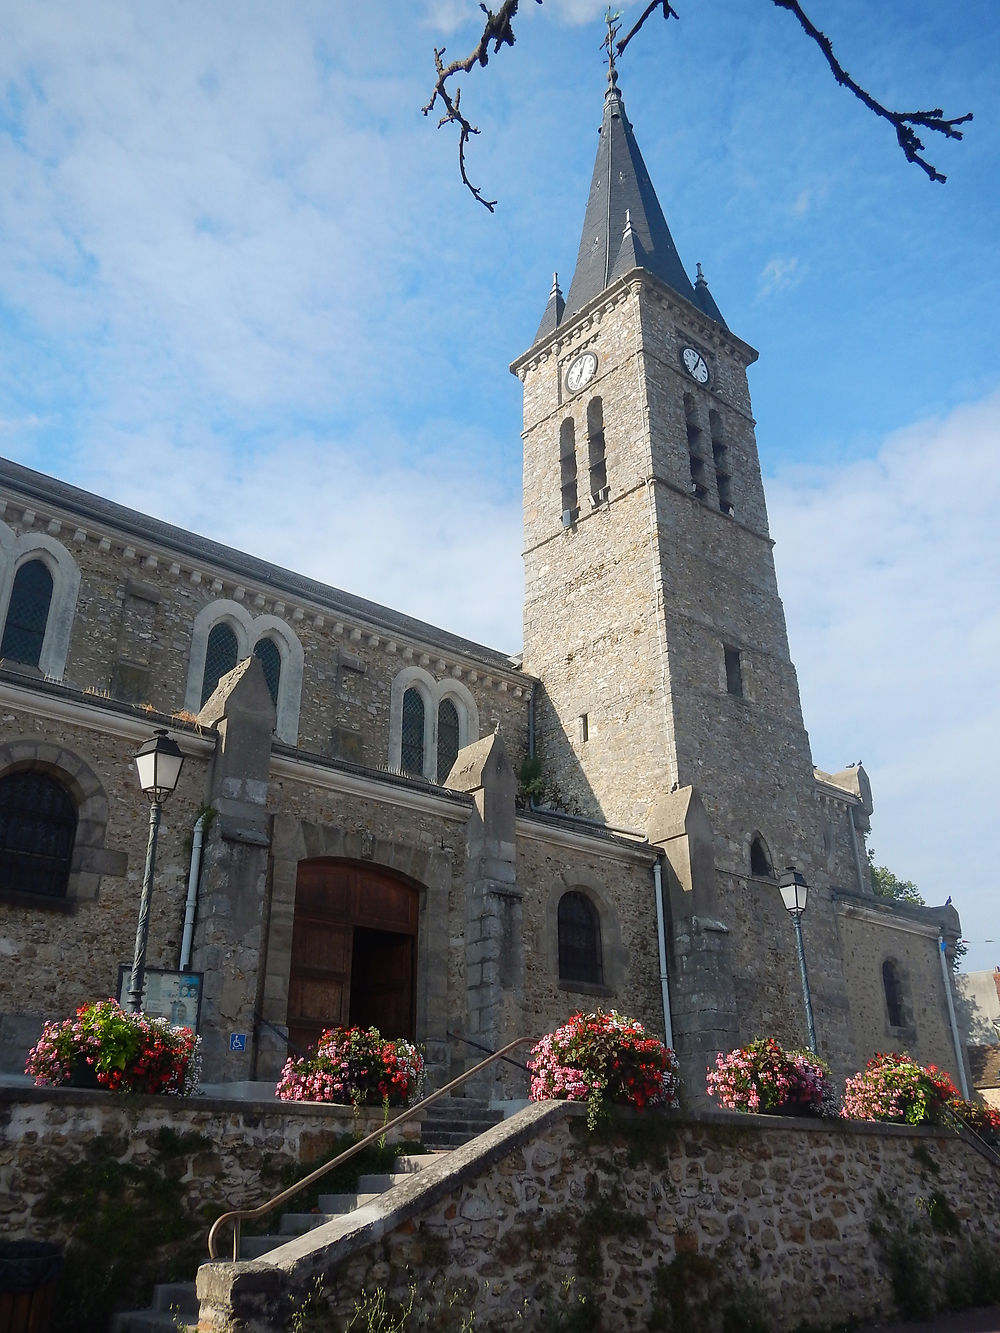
(553, 310)
(623, 226)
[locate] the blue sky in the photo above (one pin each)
(241, 288)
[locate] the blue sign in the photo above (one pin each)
(237, 1041)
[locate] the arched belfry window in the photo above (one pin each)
(567, 472)
(760, 858)
(412, 748)
(267, 653)
(448, 742)
(580, 956)
(221, 655)
(596, 452)
(27, 613)
(37, 830)
(892, 985)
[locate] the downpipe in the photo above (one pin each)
(191, 903)
(661, 940)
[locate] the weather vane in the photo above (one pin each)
(611, 18)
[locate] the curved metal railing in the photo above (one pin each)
(236, 1216)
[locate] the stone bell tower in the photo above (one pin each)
(651, 612)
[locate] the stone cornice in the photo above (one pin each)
(373, 787)
(57, 704)
(579, 839)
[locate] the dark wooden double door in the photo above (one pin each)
(354, 944)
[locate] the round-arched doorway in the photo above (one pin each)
(353, 958)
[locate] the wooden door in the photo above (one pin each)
(353, 951)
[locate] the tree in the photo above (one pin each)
(498, 30)
(887, 885)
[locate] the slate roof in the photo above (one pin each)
(624, 226)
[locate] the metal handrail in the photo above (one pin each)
(478, 1046)
(239, 1215)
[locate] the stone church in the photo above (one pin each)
(379, 821)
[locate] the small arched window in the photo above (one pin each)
(580, 956)
(220, 657)
(760, 858)
(27, 613)
(412, 749)
(37, 831)
(893, 988)
(267, 653)
(448, 738)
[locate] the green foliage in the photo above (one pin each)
(530, 782)
(129, 1227)
(887, 885)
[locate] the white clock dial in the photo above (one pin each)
(581, 371)
(695, 365)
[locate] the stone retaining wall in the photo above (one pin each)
(724, 1222)
(226, 1154)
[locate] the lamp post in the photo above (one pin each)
(158, 763)
(794, 891)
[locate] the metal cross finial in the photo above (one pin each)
(611, 18)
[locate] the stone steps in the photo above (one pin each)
(448, 1124)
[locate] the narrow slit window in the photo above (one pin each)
(567, 471)
(734, 671)
(27, 614)
(412, 749)
(596, 451)
(893, 993)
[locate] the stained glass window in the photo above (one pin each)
(37, 829)
(266, 650)
(27, 613)
(412, 750)
(579, 940)
(447, 738)
(220, 657)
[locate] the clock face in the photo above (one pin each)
(695, 365)
(581, 371)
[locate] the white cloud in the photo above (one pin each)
(889, 569)
(779, 274)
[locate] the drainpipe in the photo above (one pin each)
(191, 905)
(668, 1030)
(946, 975)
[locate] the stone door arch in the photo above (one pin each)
(354, 950)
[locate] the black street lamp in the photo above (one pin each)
(794, 892)
(159, 764)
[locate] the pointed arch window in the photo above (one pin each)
(412, 748)
(567, 472)
(221, 655)
(596, 452)
(267, 653)
(27, 613)
(448, 743)
(37, 830)
(720, 456)
(580, 956)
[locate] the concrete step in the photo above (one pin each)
(174, 1310)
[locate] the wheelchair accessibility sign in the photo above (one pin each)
(237, 1041)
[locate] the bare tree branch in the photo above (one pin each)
(499, 29)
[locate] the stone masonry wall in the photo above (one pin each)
(663, 1223)
(132, 634)
(54, 960)
(43, 1130)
